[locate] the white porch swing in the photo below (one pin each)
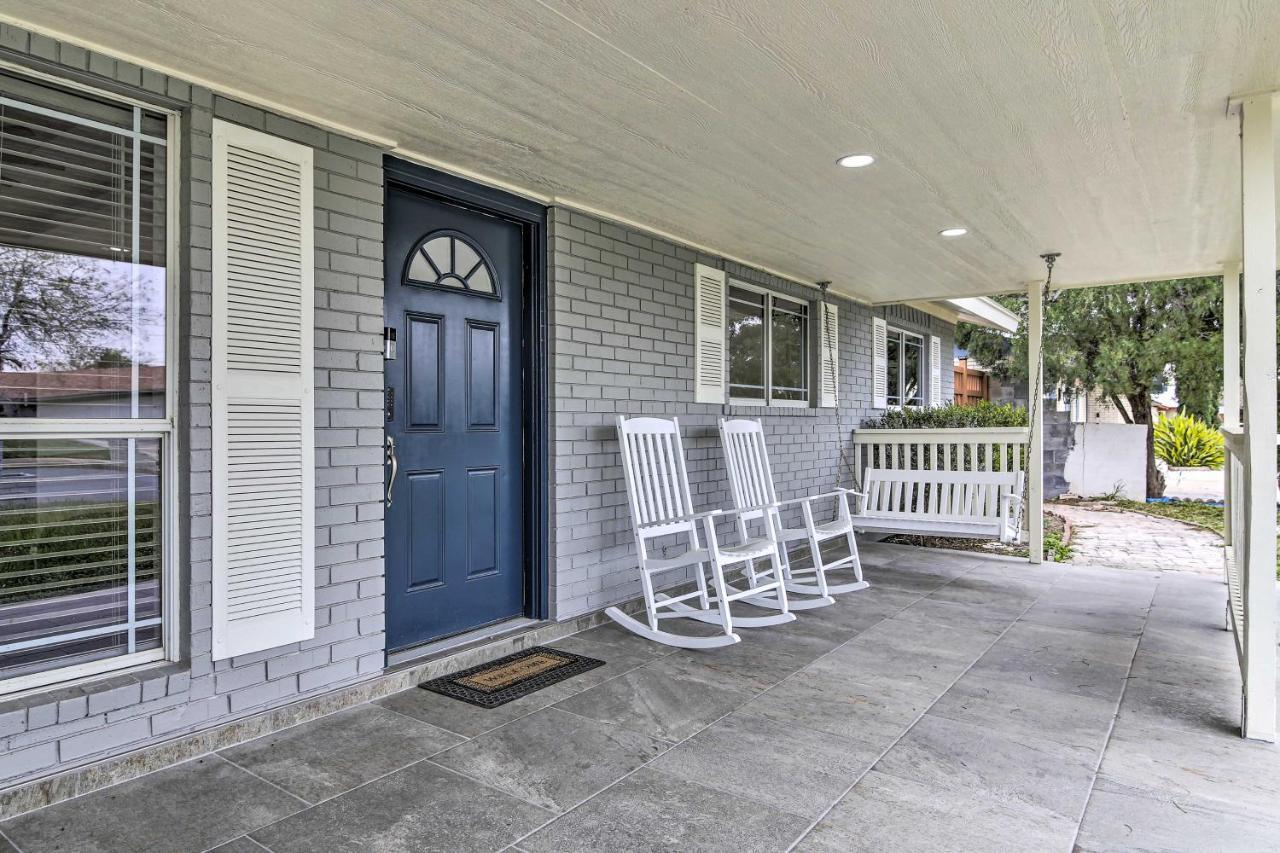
(898, 494)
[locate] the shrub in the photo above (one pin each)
(982, 414)
(1185, 441)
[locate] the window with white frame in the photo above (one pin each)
(905, 362)
(85, 427)
(768, 347)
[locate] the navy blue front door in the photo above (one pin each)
(455, 284)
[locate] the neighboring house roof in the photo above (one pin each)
(72, 384)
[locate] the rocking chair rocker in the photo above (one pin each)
(751, 481)
(661, 505)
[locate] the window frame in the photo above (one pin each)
(902, 335)
(164, 428)
(768, 401)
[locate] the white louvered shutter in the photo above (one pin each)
(935, 370)
(710, 381)
(829, 357)
(263, 438)
(879, 363)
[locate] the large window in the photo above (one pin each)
(768, 348)
(84, 402)
(905, 368)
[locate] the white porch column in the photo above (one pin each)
(1034, 510)
(1258, 581)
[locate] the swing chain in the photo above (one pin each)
(1049, 258)
(834, 375)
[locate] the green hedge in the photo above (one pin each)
(984, 414)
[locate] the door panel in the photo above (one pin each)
(455, 525)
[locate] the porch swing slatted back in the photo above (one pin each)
(956, 449)
(935, 496)
(657, 481)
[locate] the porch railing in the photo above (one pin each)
(962, 449)
(1236, 532)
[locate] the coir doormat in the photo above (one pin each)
(499, 682)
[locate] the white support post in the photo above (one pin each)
(1258, 581)
(1035, 451)
(1230, 375)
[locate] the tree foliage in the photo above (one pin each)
(1124, 342)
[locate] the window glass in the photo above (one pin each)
(82, 255)
(912, 384)
(768, 339)
(788, 327)
(80, 550)
(905, 368)
(450, 260)
(894, 368)
(83, 278)
(746, 332)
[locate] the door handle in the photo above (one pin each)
(395, 466)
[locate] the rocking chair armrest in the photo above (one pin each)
(699, 516)
(807, 498)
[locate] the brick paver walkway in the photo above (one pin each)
(1131, 540)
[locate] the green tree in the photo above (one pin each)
(1119, 341)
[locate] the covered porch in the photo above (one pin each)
(962, 701)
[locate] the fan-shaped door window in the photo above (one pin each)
(449, 260)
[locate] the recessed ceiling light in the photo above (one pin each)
(954, 232)
(855, 161)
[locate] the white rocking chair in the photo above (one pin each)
(661, 505)
(751, 482)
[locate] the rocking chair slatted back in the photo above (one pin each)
(657, 481)
(751, 482)
(750, 477)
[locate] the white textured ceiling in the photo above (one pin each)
(1093, 127)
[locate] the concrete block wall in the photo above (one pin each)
(622, 343)
(63, 728)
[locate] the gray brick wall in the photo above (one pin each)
(622, 343)
(69, 726)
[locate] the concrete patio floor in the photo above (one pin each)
(964, 702)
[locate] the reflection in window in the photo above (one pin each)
(452, 261)
(82, 255)
(787, 337)
(746, 344)
(905, 368)
(768, 347)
